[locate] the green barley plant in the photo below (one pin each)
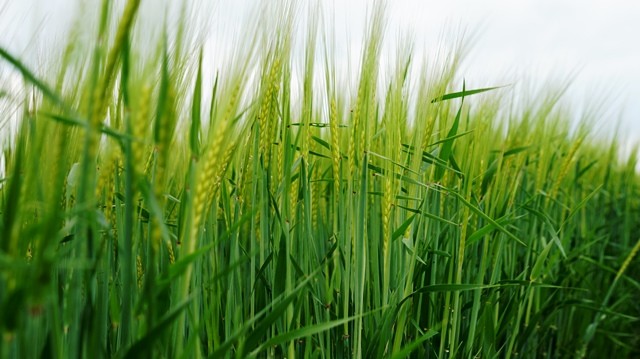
(149, 210)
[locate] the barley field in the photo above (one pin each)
(271, 211)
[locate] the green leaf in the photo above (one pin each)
(515, 150)
(539, 264)
(281, 267)
(322, 142)
(446, 288)
(394, 162)
(144, 346)
(196, 111)
(409, 348)
(550, 228)
(408, 244)
(260, 332)
(31, 77)
(260, 273)
(480, 233)
(464, 93)
(447, 146)
(580, 205)
(451, 138)
(307, 331)
(585, 169)
(488, 176)
(163, 96)
(429, 215)
(479, 212)
(70, 121)
(403, 227)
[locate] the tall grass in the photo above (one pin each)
(272, 212)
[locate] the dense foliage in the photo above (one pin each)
(276, 213)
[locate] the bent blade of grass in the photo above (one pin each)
(403, 227)
(549, 225)
(515, 151)
(408, 349)
(144, 346)
(481, 232)
(464, 93)
(103, 128)
(447, 146)
(538, 266)
(579, 206)
(406, 168)
(449, 138)
(429, 215)
(196, 111)
(308, 331)
(33, 79)
(479, 212)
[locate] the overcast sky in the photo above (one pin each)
(512, 40)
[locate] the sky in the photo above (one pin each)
(594, 42)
